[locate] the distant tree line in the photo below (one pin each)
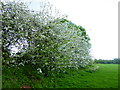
(114, 61)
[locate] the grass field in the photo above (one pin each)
(105, 77)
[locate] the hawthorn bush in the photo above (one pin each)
(45, 41)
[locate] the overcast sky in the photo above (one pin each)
(98, 17)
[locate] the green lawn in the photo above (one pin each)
(105, 77)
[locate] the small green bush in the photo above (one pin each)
(92, 69)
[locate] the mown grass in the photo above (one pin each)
(105, 77)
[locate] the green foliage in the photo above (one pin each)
(105, 77)
(44, 41)
(114, 61)
(92, 69)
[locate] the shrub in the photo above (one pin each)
(92, 69)
(44, 41)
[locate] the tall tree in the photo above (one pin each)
(47, 41)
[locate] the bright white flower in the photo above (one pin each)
(13, 61)
(39, 70)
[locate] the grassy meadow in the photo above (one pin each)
(105, 77)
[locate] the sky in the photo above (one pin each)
(98, 17)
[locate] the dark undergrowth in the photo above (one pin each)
(104, 77)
